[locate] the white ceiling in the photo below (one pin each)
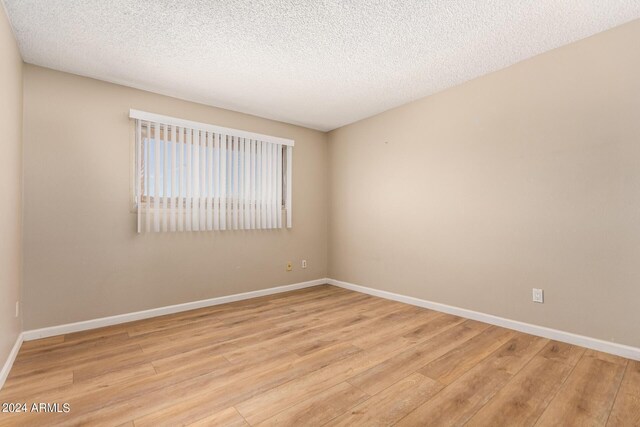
(317, 63)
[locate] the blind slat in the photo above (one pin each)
(189, 189)
(203, 180)
(209, 212)
(147, 179)
(138, 174)
(268, 184)
(246, 166)
(240, 192)
(181, 183)
(279, 185)
(261, 186)
(289, 185)
(235, 182)
(223, 182)
(173, 199)
(274, 185)
(156, 186)
(165, 177)
(252, 183)
(195, 197)
(216, 182)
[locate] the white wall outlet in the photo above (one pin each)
(538, 295)
(304, 263)
(17, 308)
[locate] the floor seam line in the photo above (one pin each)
(559, 388)
(613, 403)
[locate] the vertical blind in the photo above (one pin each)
(198, 177)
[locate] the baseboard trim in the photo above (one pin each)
(10, 359)
(541, 331)
(161, 311)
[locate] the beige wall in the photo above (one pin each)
(82, 256)
(10, 186)
(527, 177)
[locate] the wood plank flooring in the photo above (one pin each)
(318, 356)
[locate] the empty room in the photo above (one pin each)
(319, 213)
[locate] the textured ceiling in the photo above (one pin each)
(320, 64)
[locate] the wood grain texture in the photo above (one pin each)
(457, 402)
(460, 359)
(391, 404)
(318, 356)
(626, 409)
(586, 398)
(391, 370)
(319, 408)
(522, 400)
(228, 418)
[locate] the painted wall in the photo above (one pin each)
(10, 186)
(82, 256)
(527, 177)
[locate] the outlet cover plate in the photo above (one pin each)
(538, 295)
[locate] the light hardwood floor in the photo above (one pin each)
(317, 356)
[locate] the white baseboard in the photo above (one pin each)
(9, 363)
(541, 331)
(161, 311)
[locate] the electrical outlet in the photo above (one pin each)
(17, 308)
(289, 266)
(304, 263)
(538, 295)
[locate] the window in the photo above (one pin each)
(197, 177)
